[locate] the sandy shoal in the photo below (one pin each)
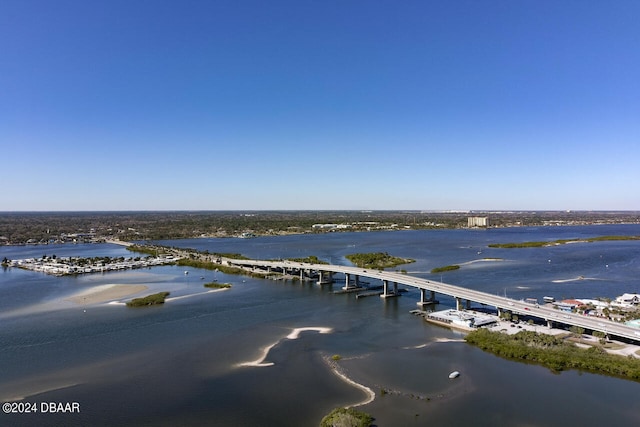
(106, 293)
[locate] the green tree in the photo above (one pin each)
(577, 330)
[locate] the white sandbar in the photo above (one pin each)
(296, 332)
(105, 293)
(370, 393)
(292, 336)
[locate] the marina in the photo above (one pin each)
(76, 265)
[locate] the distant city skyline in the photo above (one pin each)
(319, 105)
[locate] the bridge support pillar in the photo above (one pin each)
(423, 298)
(458, 303)
(325, 278)
(549, 324)
(468, 305)
(301, 274)
(385, 290)
(346, 282)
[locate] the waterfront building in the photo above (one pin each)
(627, 300)
(478, 221)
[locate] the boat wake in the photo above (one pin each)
(196, 294)
(37, 391)
(417, 347)
(575, 279)
(437, 340)
(450, 340)
(174, 298)
(295, 334)
(482, 260)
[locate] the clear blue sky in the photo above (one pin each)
(310, 104)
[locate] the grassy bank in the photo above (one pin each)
(554, 353)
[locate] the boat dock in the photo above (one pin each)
(458, 319)
(369, 294)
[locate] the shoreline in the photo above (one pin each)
(508, 223)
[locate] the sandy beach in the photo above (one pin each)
(105, 293)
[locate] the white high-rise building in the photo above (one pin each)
(478, 221)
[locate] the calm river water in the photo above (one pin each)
(201, 359)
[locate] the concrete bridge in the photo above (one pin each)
(428, 290)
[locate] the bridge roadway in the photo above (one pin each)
(550, 315)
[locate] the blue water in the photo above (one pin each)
(178, 364)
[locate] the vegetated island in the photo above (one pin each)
(346, 417)
(445, 268)
(561, 242)
(554, 353)
(153, 299)
(216, 285)
(377, 260)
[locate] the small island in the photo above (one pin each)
(445, 268)
(153, 299)
(560, 242)
(377, 260)
(216, 285)
(347, 417)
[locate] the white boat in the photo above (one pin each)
(454, 374)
